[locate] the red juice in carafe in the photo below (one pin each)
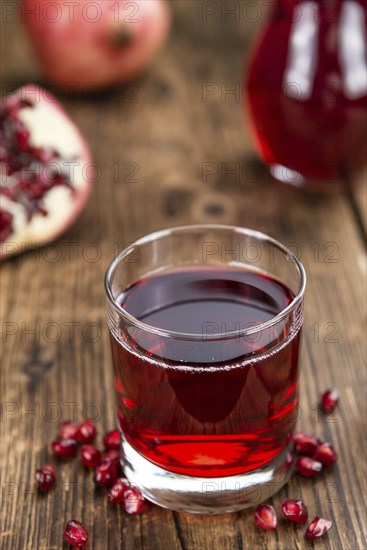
(216, 400)
(306, 91)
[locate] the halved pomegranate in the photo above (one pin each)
(85, 46)
(46, 170)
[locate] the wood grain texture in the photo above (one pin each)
(183, 156)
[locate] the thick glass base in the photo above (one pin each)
(206, 495)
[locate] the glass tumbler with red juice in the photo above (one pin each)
(205, 326)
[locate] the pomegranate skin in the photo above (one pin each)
(85, 49)
(48, 129)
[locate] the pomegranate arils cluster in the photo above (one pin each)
(330, 400)
(107, 472)
(30, 172)
(295, 510)
(318, 527)
(265, 517)
(46, 170)
(318, 454)
(45, 477)
(76, 534)
(314, 454)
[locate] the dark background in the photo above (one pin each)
(173, 148)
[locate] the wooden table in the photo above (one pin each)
(172, 149)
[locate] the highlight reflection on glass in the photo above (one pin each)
(307, 90)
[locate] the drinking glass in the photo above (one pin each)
(205, 324)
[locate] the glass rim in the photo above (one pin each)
(194, 336)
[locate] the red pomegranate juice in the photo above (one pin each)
(209, 405)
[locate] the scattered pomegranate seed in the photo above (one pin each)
(318, 527)
(112, 440)
(330, 399)
(116, 494)
(295, 510)
(76, 534)
(114, 456)
(106, 473)
(265, 517)
(307, 466)
(305, 443)
(45, 477)
(325, 454)
(86, 432)
(90, 456)
(65, 448)
(68, 430)
(133, 501)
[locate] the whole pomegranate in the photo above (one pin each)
(46, 170)
(86, 46)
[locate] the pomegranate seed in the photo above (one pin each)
(68, 430)
(65, 448)
(307, 466)
(295, 510)
(106, 473)
(112, 440)
(330, 399)
(45, 477)
(76, 534)
(318, 527)
(90, 456)
(22, 136)
(305, 443)
(326, 454)
(265, 517)
(114, 456)
(86, 432)
(133, 501)
(117, 491)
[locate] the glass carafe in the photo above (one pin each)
(307, 92)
